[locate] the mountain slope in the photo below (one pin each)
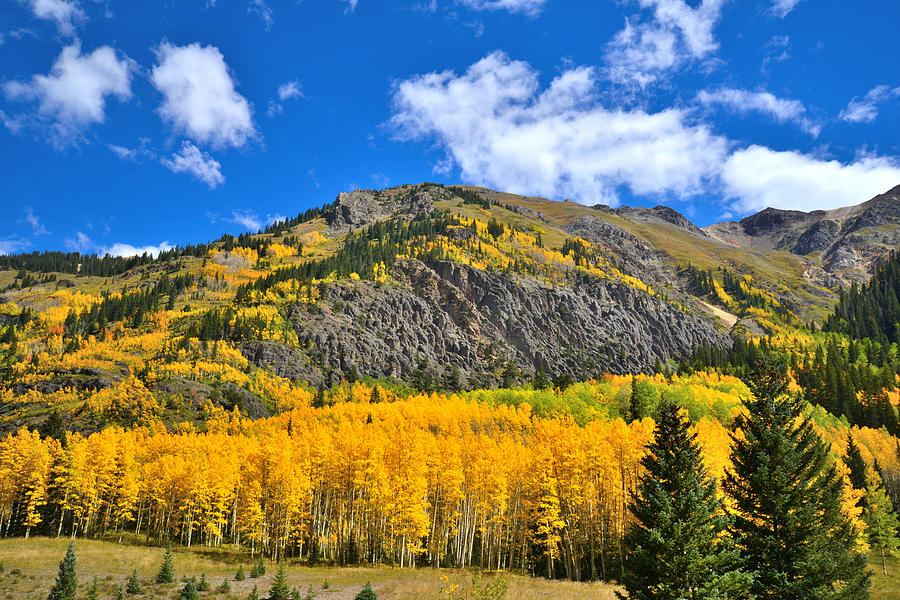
(439, 287)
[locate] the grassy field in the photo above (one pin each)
(30, 566)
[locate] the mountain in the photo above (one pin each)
(427, 285)
(845, 242)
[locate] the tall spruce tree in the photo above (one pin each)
(787, 495)
(166, 572)
(856, 464)
(279, 589)
(676, 547)
(66, 585)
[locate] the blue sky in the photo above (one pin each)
(127, 126)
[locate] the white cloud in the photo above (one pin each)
(246, 218)
(73, 96)
(758, 177)
(120, 249)
(80, 243)
(262, 9)
(200, 164)
(13, 244)
(781, 8)
(502, 131)
(37, 228)
(744, 101)
(675, 34)
(65, 13)
(286, 91)
(865, 110)
(122, 152)
(527, 7)
(200, 99)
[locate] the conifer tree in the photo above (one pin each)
(203, 584)
(882, 525)
(239, 576)
(189, 591)
(134, 584)
(856, 464)
(367, 593)
(166, 572)
(93, 592)
(279, 589)
(676, 548)
(253, 595)
(66, 585)
(788, 494)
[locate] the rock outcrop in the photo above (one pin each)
(443, 315)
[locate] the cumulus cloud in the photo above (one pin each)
(744, 101)
(865, 109)
(120, 249)
(246, 218)
(200, 164)
(674, 34)
(759, 177)
(37, 228)
(495, 123)
(200, 100)
(64, 13)
(781, 8)
(73, 96)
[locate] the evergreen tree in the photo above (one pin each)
(189, 591)
(676, 548)
(253, 595)
(788, 494)
(856, 464)
(93, 592)
(882, 525)
(166, 572)
(224, 587)
(66, 585)
(120, 592)
(367, 593)
(134, 584)
(279, 589)
(203, 584)
(239, 576)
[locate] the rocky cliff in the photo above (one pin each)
(441, 316)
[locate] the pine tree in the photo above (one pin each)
(882, 525)
(279, 589)
(239, 576)
(367, 593)
(856, 464)
(788, 494)
(93, 592)
(66, 585)
(166, 572)
(203, 584)
(134, 584)
(189, 591)
(676, 547)
(253, 595)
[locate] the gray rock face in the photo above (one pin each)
(362, 207)
(817, 238)
(636, 255)
(453, 315)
